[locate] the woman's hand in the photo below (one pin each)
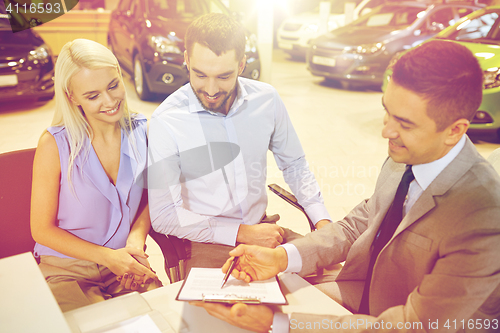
(130, 261)
(133, 281)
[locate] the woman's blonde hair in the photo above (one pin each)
(75, 55)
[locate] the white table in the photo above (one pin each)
(301, 297)
(26, 302)
(183, 317)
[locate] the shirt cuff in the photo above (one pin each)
(294, 258)
(317, 212)
(281, 323)
(226, 233)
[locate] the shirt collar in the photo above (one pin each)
(426, 173)
(195, 105)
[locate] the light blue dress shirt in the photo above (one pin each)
(207, 171)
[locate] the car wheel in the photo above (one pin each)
(140, 84)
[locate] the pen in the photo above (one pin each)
(229, 270)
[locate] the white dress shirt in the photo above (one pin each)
(207, 171)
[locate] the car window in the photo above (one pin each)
(439, 20)
(183, 8)
(390, 16)
(478, 27)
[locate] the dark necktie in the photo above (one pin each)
(387, 228)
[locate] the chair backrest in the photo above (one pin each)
(174, 254)
(16, 170)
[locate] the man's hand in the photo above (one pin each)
(256, 318)
(256, 262)
(262, 234)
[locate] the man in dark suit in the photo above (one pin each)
(423, 253)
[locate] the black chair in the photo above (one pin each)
(174, 254)
(16, 169)
(290, 198)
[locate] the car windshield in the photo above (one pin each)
(184, 8)
(479, 29)
(390, 17)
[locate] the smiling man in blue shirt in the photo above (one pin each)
(208, 151)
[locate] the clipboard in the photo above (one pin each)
(203, 284)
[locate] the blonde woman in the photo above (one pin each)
(89, 214)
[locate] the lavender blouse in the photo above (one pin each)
(96, 210)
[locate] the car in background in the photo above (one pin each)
(480, 33)
(360, 51)
(147, 36)
(26, 63)
(296, 33)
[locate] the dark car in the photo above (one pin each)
(147, 38)
(26, 64)
(360, 51)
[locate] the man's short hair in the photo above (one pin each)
(219, 32)
(446, 75)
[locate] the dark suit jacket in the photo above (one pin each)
(442, 264)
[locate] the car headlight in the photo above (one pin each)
(491, 78)
(251, 43)
(368, 49)
(164, 45)
(40, 53)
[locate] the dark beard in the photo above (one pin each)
(220, 108)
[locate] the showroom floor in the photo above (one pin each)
(340, 132)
